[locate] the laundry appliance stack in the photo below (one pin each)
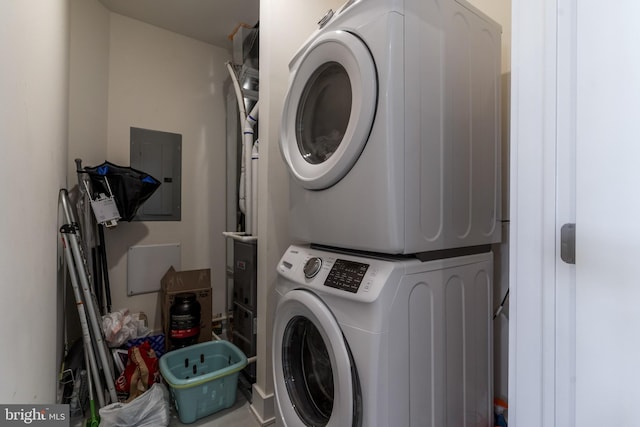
(391, 133)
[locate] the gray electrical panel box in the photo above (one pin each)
(160, 155)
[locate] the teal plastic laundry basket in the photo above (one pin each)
(202, 378)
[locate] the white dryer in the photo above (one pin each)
(370, 342)
(391, 128)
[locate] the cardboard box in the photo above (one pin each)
(175, 282)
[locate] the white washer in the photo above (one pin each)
(391, 128)
(370, 342)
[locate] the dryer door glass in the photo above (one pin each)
(323, 113)
(307, 366)
(329, 109)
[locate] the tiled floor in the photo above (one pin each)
(239, 415)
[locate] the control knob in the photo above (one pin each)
(312, 267)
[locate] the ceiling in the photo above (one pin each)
(211, 21)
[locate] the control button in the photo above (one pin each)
(312, 267)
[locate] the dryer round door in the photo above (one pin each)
(315, 379)
(329, 109)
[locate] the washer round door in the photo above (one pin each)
(329, 109)
(315, 379)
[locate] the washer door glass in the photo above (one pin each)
(329, 109)
(315, 378)
(307, 368)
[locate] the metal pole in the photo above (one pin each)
(93, 319)
(71, 230)
(103, 263)
(86, 335)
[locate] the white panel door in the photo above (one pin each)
(608, 214)
(575, 332)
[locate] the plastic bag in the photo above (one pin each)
(150, 409)
(139, 374)
(121, 326)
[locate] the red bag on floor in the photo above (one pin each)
(139, 374)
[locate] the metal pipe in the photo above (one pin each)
(255, 163)
(248, 136)
(63, 196)
(242, 237)
(242, 111)
(247, 189)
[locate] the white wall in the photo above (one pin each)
(33, 134)
(499, 11)
(89, 84)
(164, 81)
(125, 73)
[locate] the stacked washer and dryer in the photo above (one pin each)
(391, 133)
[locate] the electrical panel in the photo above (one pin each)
(160, 155)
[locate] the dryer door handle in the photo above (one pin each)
(326, 18)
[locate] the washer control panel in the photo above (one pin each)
(346, 275)
(350, 276)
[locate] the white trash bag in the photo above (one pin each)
(121, 326)
(150, 409)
